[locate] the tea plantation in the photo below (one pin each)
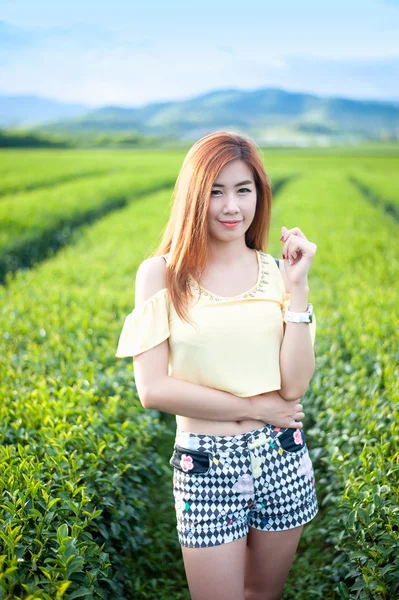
(86, 505)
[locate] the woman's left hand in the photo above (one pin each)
(299, 253)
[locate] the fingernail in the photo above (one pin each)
(283, 255)
(282, 238)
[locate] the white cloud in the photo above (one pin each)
(126, 64)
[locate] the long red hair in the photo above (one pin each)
(185, 234)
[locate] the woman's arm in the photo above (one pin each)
(187, 399)
(297, 360)
(180, 397)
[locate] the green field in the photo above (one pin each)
(87, 508)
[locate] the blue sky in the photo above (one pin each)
(130, 52)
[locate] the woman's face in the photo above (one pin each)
(232, 202)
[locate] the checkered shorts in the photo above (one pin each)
(224, 483)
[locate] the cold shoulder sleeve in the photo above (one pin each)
(146, 326)
(312, 325)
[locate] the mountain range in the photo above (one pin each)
(270, 115)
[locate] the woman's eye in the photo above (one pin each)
(240, 190)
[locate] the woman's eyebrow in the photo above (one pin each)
(241, 183)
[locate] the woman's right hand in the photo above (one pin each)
(274, 409)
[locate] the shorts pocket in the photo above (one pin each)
(292, 440)
(191, 461)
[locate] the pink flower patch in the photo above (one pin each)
(186, 462)
(298, 437)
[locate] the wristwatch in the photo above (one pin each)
(300, 317)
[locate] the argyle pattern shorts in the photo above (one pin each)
(222, 484)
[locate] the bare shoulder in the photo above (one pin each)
(284, 275)
(150, 279)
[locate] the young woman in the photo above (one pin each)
(222, 336)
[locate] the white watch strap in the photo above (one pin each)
(299, 317)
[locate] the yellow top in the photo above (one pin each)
(235, 344)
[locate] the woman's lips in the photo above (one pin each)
(230, 224)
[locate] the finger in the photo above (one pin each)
(289, 246)
(286, 247)
(293, 231)
(298, 232)
(292, 248)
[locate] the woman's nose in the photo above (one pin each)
(231, 200)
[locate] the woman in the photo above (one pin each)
(214, 343)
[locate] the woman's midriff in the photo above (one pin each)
(217, 427)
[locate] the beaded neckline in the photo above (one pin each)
(258, 287)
